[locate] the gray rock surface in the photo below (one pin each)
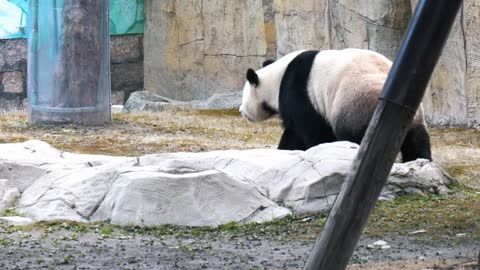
(8, 194)
(146, 101)
(194, 189)
(18, 221)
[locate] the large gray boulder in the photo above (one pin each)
(194, 189)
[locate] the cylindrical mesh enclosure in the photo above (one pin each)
(68, 79)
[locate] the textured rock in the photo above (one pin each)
(146, 101)
(2, 57)
(192, 189)
(118, 97)
(453, 95)
(16, 53)
(11, 104)
(192, 198)
(18, 221)
(8, 194)
(127, 77)
(13, 82)
(126, 48)
(196, 48)
(378, 25)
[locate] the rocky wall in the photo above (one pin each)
(196, 48)
(127, 70)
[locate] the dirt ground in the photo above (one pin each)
(451, 223)
(64, 249)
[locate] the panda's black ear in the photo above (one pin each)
(252, 77)
(268, 62)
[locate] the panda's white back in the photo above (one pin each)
(345, 78)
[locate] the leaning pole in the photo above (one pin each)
(400, 98)
(68, 78)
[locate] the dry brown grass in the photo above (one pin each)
(145, 133)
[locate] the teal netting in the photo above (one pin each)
(126, 17)
(68, 78)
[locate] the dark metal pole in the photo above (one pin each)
(402, 93)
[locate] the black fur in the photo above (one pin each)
(268, 62)
(252, 77)
(416, 144)
(304, 126)
(268, 109)
(291, 141)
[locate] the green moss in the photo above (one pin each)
(9, 212)
(106, 230)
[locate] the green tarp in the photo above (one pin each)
(126, 17)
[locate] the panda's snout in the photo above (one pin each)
(245, 115)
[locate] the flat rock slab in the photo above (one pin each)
(145, 101)
(194, 189)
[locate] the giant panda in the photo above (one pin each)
(325, 96)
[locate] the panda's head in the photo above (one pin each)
(257, 95)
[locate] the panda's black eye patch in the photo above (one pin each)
(252, 77)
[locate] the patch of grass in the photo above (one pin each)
(106, 230)
(298, 226)
(438, 215)
(9, 212)
(218, 112)
(146, 133)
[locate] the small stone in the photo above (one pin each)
(13, 82)
(380, 243)
(370, 246)
(417, 232)
(461, 235)
(386, 247)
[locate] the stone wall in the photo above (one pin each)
(13, 73)
(196, 48)
(453, 96)
(126, 59)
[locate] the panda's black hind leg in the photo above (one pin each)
(291, 141)
(416, 144)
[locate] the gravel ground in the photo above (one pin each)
(62, 249)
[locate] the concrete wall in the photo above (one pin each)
(126, 59)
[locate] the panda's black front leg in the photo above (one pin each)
(291, 141)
